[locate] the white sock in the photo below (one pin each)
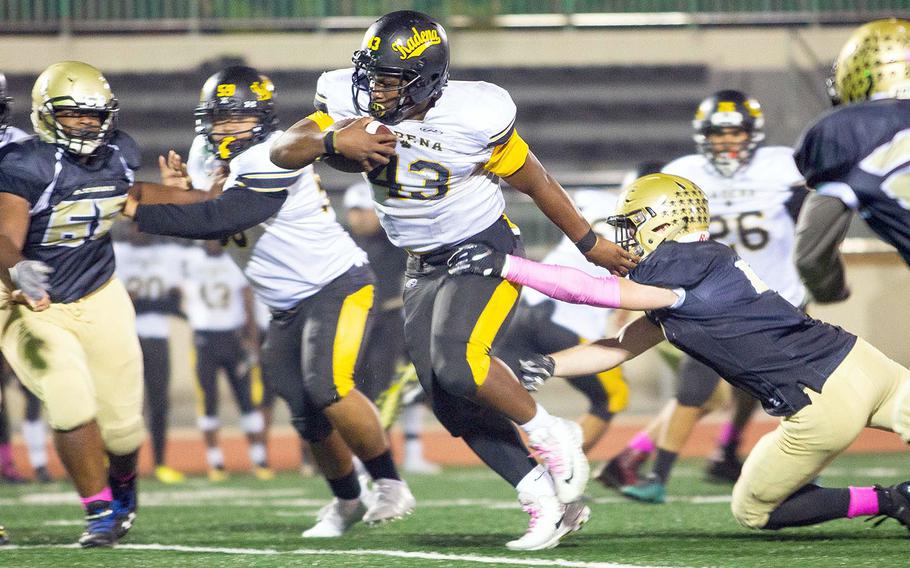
(537, 482)
(215, 458)
(542, 419)
(35, 435)
(257, 454)
(412, 424)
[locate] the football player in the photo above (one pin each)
(856, 156)
(436, 184)
(219, 306)
(543, 325)
(754, 192)
(68, 325)
(825, 383)
(143, 264)
(305, 267)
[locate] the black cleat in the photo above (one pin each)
(622, 470)
(894, 503)
(724, 470)
(42, 475)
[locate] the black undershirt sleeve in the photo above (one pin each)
(235, 210)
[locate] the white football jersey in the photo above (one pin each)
(148, 273)
(585, 321)
(213, 291)
(292, 255)
(436, 191)
(749, 212)
(12, 134)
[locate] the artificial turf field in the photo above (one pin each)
(464, 517)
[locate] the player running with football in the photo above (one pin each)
(436, 185)
(825, 383)
(307, 269)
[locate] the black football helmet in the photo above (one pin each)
(728, 109)
(236, 92)
(4, 106)
(408, 46)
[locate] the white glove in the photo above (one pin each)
(31, 276)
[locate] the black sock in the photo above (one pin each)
(810, 505)
(346, 487)
(502, 449)
(382, 466)
(663, 464)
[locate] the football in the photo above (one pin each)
(344, 164)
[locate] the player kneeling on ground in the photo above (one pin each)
(824, 382)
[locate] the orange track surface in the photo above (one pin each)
(186, 452)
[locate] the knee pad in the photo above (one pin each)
(253, 422)
(124, 437)
(744, 510)
(313, 428)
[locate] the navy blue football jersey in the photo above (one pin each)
(732, 322)
(867, 147)
(72, 208)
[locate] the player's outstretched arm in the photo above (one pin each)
(591, 358)
(533, 180)
(306, 141)
(560, 282)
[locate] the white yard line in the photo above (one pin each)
(431, 556)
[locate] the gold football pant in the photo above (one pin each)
(83, 360)
(866, 389)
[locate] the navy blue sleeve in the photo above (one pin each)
(128, 149)
(235, 210)
(828, 150)
(25, 170)
(678, 265)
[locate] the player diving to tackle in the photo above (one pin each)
(68, 326)
(825, 383)
(437, 188)
(307, 269)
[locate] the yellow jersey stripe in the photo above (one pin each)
(508, 158)
(352, 322)
(257, 388)
(322, 119)
(616, 388)
(492, 317)
(200, 392)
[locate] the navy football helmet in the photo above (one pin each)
(409, 47)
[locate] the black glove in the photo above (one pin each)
(535, 370)
(476, 259)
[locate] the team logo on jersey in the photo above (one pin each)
(417, 43)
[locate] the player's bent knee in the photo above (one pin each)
(124, 437)
(901, 417)
(312, 429)
(748, 510)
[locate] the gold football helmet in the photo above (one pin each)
(875, 62)
(657, 208)
(73, 88)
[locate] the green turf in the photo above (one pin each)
(268, 517)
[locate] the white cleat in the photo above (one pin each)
(421, 466)
(550, 521)
(392, 500)
(334, 519)
(559, 448)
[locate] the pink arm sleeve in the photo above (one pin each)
(564, 283)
